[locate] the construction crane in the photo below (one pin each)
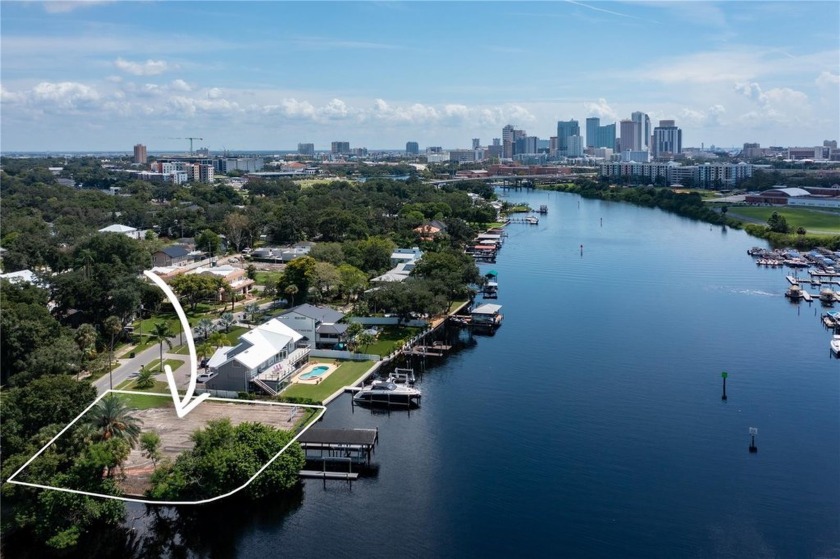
(190, 138)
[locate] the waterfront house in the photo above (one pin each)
(319, 327)
(267, 354)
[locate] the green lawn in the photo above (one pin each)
(263, 277)
(146, 401)
(131, 384)
(390, 338)
(174, 363)
(824, 221)
(346, 374)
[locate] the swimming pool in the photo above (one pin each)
(314, 373)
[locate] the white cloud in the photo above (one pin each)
(148, 68)
(697, 118)
(63, 96)
(180, 85)
(601, 109)
(780, 105)
(61, 7)
(827, 79)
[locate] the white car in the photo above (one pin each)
(204, 377)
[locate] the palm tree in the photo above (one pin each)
(205, 326)
(112, 327)
(291, 291)
(160, 335)
(226, 320)
(112, 419)
(85, 339)
(251, 309)
(217, 340)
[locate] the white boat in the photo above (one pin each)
(835, 345)
(388, 392)
(827, 295)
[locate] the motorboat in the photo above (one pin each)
(388, 392)
(835, 345)
(827, 295)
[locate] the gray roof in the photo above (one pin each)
(487, 309)
(175, 251)
(321, 314)
(332, 328)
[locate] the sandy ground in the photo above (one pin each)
(175, 432)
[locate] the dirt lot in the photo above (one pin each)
(175, 432)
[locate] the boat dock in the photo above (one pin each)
(434, 350)
(339, 445)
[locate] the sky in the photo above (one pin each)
(103, 76)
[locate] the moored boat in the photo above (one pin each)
(794, 293)
(834, 344)
(388, 392)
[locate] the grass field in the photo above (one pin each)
(174, 363)
(816, 222)
(263, 277)
(390, 338)
(131, 384)
(145, 401)
(346, 374)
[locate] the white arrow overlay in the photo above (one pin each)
(182, 407)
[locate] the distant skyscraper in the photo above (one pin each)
(642, 141)
(507, 141)
(575, 146)
(340, 148)
(412, 148)
(306, 149)
(565, 130)
(593, 123)
(629, 130)
(606, 136)
(140, 154)
(667, 139)
(476, 143)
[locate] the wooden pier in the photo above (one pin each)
(435, 350)
(328, 445)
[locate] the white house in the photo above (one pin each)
(268, 354)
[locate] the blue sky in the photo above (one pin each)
(267, 75)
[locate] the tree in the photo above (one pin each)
(351, 280)
(236, 225)
(112, 419)
(778, 224)
(227, 320)
(150, 445)
(209, 241)
(160, 335)
(300, 272)
(112, 327)
(86, 340)
(217, 340)
(326, 278)
(225, 457)
(251, 310)
(197, 287)
(800, 231)
(145, 379)
(291, 291)
(204, 327)
(365, 339)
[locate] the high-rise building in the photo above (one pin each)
(667, 139)
(509, 137)
(629, 130)
(527, 144)
(140, 154)
(593, 123)
(476, 143)
(412, 148)
(565, 130)
(306, 149)
(643, 134)
(606, 136)
(340, 148)
(574, 146)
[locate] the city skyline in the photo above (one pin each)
(108, 75)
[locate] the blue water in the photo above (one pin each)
(316, 372)
(591, 424)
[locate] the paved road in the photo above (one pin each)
(129, 366)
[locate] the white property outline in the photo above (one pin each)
(165, 503)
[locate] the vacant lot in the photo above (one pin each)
(175, 432)
(815, 221)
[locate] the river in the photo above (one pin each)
(591, 424)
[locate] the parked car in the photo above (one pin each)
(204, 377)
